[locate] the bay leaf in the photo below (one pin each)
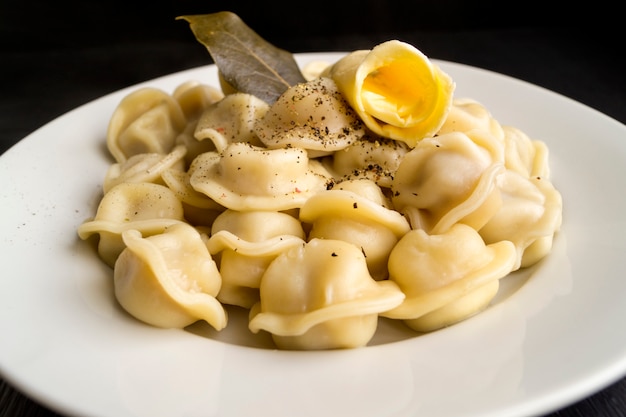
(245, 60)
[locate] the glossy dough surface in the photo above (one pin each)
(169, 280)
(320, 295)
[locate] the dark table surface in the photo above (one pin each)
(57, 57)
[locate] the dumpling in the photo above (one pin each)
(247, 177)
(314, 69)
(242, 264)
(148, 120)
(194, 97)
(468, 114)
(199, 210)
(524, 155)
(530, 215)
(144, 167)
(193, 145)
(231, 120)
(320, 295)
(448, 179)
(357, 212)
(396, 90)
(446, 277)
(371, 157)
(169, 280)
(245, 243)
(257, 225)
(146, 207)
(312, 115)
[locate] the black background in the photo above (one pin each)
(59, 55)
(63, 54)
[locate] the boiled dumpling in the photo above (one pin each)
(247, 177)
(144, 167)
(245, 243)
(530, 215)
(357, 212)
(314, 69)
(524, 155)
(194, 97)
(257, 225)
(449, 179)
(169, 280)
(199, 209)
(312, 115)
(446, 277)
(371, 157)
(148, 120)
(231, 120)
(467, 114)
(146, 207)
(320, 295)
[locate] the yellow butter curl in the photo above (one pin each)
(397, 91)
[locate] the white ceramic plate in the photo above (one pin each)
(554, 334)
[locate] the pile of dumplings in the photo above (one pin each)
(346, 200)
